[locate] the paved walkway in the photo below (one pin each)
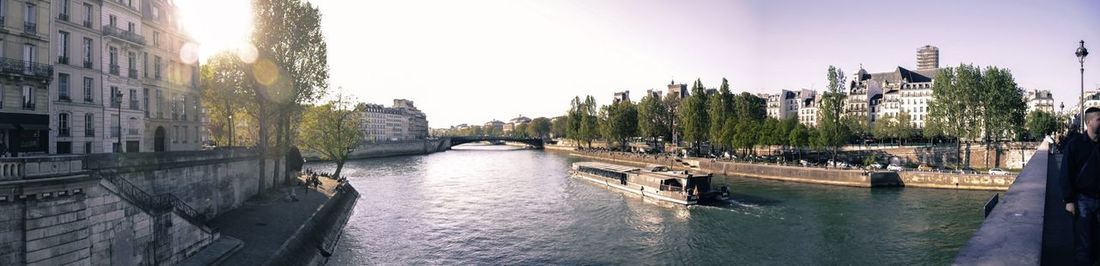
(265, 222)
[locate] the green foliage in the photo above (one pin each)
(539, 127)
(652, 118)
(331, 130)
(1041, 123)
(693, 115)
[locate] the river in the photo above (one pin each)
(501, 205)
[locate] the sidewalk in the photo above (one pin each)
(265, 222)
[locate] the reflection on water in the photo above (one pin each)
(502, 205)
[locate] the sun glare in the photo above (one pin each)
(217, 25)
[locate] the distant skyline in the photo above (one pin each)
(474, 61)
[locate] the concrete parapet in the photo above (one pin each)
(316, 239)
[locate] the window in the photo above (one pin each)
(115, 129)
(63, 87)
(160, 105)
(175, 133)
(156, 67)
(30, 18)
(88, 90)
(133, 126)
(88, 52)
(28, 97)
(87, 15)
(133, 100)
(28, 58)
(63, 47)
(88, 147)
(156, 38)
(113, 21)
(114, 60)
(115, 100)
(89, 125)
(185, 137)
(64, 10)
(145, 96)
(63, 125)
(131, 64)
(130, 27)
(145, 64)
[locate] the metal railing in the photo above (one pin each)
(130, 36)
(133, 73)
(26, 68)
(63, 16)
(89, 132)
(155, 204)
(87, 64)
(30, 27)
(62, 59)
(114, 69)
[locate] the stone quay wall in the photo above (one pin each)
(315, 241)
(389, 149)
(212, 182)
(816, 175)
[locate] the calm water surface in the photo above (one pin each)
(499, 205)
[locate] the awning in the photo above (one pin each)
(6, 126)
(34, 127)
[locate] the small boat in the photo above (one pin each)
(654, 181)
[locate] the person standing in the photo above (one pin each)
(1080, 181)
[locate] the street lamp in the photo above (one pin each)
(231, 130)
(118, 101)
(1081, 54)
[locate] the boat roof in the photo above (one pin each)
(607, 166)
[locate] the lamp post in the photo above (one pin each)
(231, 130)
(1081, 53)
(118, 101)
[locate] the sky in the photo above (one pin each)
(477, 60)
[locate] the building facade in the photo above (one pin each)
(1039, 100)
(169, 86)
(76, 104)
(401, 122)
(26, 77)
(928, 58)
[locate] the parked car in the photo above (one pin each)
(805, 163)
(998, 171)
(876, 166)
(894, 167)
(925, 167)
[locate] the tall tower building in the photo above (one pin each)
(928, 57)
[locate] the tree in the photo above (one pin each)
(292, 65)
(719, 108)
(622, 121)
(799, 137)
(652, 116)
(589, 127)
(558, 127)
(832, 132)
(520, 130)
(539, 128)
(331, 130)
(693, 116)
(222, 78)
(1041, 123)
(904, 127)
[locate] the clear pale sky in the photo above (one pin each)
(472, 61)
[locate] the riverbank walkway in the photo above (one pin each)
(265, 222)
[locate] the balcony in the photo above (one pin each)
(64, 98)
(114, 69)
(30, 27)
(88, 24)
(28, 106)
(133, 73)
(63, 132)
(88, 64)
(129, 36)
(62, 59)
(115, 103)
(63, 17)
(25, 68)
(89, 132)
(133, 131)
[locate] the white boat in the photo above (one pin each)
(654, 181)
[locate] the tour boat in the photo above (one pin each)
(654, 181)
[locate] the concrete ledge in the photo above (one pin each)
(216, 253)
(1012, 234)
(315, 239)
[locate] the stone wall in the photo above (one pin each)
(315, 240)
(212, 182)
(387, 149)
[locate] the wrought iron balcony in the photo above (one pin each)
(63, 16)
(62, 59)
(133, 73)
(28, 105)
(11, 66)
(63, 132)
(64, 98)
(133, 131)
(88, 99)
(30, 27)
(89, 132)
(88, 24)
(87, 64)
(129, 36)
(114, 70)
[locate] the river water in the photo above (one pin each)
(504, 206)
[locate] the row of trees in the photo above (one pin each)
(538, 128)
(970, 105)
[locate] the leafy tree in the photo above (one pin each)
(652, 116)
(558, 126)
(832, 132)
(719, 108)
(620, 122)
(693, 116)
(539, 127)
(799, 138)
(291, 69)
(332, 130)
(223, 78)
(519, 130)
(1041, 123)
(904, 128)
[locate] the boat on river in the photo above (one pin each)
(653, 181)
